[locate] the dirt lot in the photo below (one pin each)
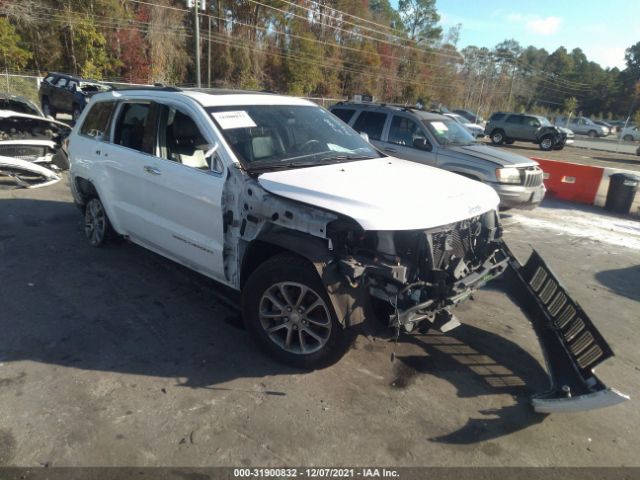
(116, 356)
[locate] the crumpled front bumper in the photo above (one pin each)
(572, 345)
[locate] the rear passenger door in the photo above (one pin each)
(57, 94)
(514, 127)
(530, 127)
(371, 123)
(403, 132)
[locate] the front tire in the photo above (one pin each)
(288, 313)
(497, 137)
(97, 227)
(628, 138)
(593, 134)
(546, 143)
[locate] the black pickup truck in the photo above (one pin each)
(60, 93)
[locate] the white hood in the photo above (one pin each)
(385, 193)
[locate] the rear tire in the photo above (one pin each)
(97, 227)
(288, 313)
(47, 109)
(497, 137)
(628, 138)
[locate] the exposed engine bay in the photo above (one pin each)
(422, 273)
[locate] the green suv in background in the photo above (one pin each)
(505, 127)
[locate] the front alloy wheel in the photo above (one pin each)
(288, 312)
(546, 144)
(295, 317)
(497, 138)
(96, 223)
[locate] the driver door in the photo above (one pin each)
(401, 140)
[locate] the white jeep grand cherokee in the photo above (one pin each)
(276, 197)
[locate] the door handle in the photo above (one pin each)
(97, 152)
(152, 170)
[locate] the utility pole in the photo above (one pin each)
(197, 39)
(209, 55)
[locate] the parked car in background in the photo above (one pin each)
(472, 117)
(474, 129)
(630, 134)
(617, 124)
(583, 126)
(508, 127)
(60, 93)
(606, 125)
(18, 104)
(440, 141)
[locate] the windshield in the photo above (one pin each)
(281, 136)
(94, 87)
(544, 121)
(458, 118)
(449, 132)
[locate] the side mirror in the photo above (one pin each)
(422, 144)
(210, 153)
(364, 136)
(211, 149)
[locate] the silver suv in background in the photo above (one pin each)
(505, 127)
(440, 141)
(582, 126)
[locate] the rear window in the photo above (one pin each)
(97, 121)
(371, 123)
(343, 114)
(496, 116)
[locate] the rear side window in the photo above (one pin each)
(96, 123)
(344, 114)
(496, 117)
(371, 123)
(135, 127)
(515, 119)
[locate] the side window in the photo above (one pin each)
(62, 82)
(343, 114)
(531, 122)
(404, 131)
(72, 85)
(135, 127)
(182, 141)
(514, 119)
(96, 122)
(371, 123)
(496, 117)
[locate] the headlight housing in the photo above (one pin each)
(508, 175)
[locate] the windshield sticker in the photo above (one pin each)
(440, 126)
(236, 119)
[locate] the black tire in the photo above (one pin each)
(97, 227)
(628, 138)
(638, 151)
(509, 142)
(75, 114)
(497, 137)
(47, 109)
(279, 278)
(592, 134)
(546, 143)
(61, 160)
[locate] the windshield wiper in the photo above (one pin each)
(297, 164)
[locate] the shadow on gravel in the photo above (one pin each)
(459, 358)
(119, 308)
(623, 281)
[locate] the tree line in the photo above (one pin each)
(324, 48)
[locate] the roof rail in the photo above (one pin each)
(153, 88)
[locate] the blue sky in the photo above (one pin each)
(602, 29)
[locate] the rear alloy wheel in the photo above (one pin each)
(546, 143)
(97, 227)
(628, 138)
(497, 137)
(289, 314)
(47, 110)
(593, 134)
(76, 113)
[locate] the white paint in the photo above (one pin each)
(9, 165)
(385, 193)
